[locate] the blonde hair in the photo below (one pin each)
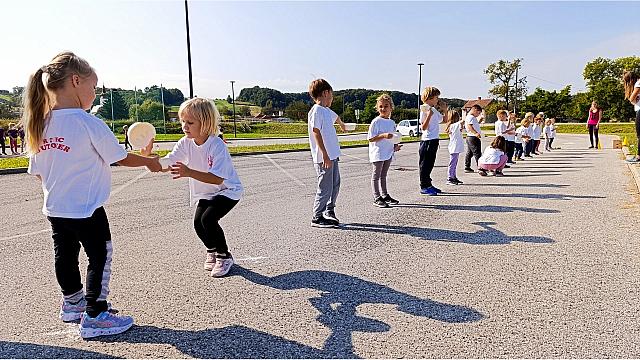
(526, 122)
(429, 93)
(36, 100)
(384, 97)
(204, 111)
(501, 112)
(548, 122)
(452, 117)
(528, 116)
(629, 79)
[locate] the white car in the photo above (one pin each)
(408, 127)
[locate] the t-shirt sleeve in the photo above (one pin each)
(637, 84)
(104, 141)
(373, 130)
(222, 166)
(332, 115)
(316, 119)
(179, 153)
(33, 168)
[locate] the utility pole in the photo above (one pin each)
(186, 13)
(419, 90)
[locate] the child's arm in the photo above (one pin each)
(145, 159)
(425, 124)
(326, 162)
(180, 170)
(634, 96)
(472, 131)
(381, 137)
(341, 124)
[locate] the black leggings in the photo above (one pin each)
(208, 213)
(593, 130)
(638, 127)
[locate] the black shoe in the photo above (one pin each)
(468, 170)
(389, 200)
(321, 222)
(482, 172)
(331, 216)
(380, 203)
(458, 181)
(507, 166)
(510, 162)
(591, 147)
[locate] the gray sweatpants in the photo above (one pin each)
(379, 178)
(328, 188)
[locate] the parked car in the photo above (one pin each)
(408, 127)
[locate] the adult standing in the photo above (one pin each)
(593, 123)
(3, 135)
(474, 136)
(631, 82)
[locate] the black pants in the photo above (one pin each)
(519, 151)
(4, 146)
(528, 147)
(638, 127)
(511, 145)
(427, 152)
(208, 213)
(593, 131)
(94, 236)
(474, 149)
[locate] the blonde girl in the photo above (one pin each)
(522, 138)
(456, 144)
(71, 152)
(381, 149)
(214, 185)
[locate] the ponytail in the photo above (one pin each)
(36, 105)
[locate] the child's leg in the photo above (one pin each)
(208, 214)
(502, 163)
(468, 155)
(66, 249)
(335, 189)
(477, 150)
(551, 143)
(422, 164)
(453, 163)
(325, 188)
(430, 160)
(95, 237)
(375, 178)
(383, 177)
(510, 150)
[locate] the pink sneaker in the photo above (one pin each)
(210, 261)
(222, 266)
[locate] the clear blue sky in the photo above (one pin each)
(284, 45)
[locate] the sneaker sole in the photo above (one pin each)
(381, 206)
(87, 333)
(218, 275)
(69, 317)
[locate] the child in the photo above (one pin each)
(430, 119)
(13, 138)
(474, 136)
(214, 185)
(494, 157)
(548, 134)
(510, 136)
(71, 152)
(529, 143)
(553, 133)
(127, 144)
(522, 138)
(3, 135)
(537, 134)
(503, 128)
(381, 150)
(456, 145)
(325, 152)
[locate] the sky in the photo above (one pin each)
(285, 45)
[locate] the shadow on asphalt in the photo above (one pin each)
(340, 296)
(10, 349)
(527, 196)
(479, 208)
(487, 236)
(523, 185)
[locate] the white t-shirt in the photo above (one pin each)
(381, 150)
(212, 157)
(553, 131)
(519, 132)
(536, 131)
(456, 143)
(491, 156)
(547, 131)
(473, 121)
(323, 118)
(433, 129)
(636, 107)
(74, 163)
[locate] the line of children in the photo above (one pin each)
(71, 152)
(381, 149)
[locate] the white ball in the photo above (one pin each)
(140, 133)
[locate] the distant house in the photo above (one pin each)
(480, 101)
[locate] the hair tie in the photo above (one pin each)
(45, 79)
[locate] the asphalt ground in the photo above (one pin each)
(540, 263)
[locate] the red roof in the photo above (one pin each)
(482, 102)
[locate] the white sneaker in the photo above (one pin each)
(210, 261)
(222, 266)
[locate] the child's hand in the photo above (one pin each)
(397, 147)
(342, 126)
(146, 151)
(180, 170)
(154, 165)
(387, 135)
(326, 162)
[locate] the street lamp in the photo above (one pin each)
(233, 99)
(186, 13)
(419, 90)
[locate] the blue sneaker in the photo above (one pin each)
(428, 191)
(104, 324)
(436, 189)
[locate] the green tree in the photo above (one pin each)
(134, 112)
(120, 108)
(552, 103)
(369, 113)
(580, 104)
(603, 76)
(337, 105)
(297, 110)
(501, 75)
(150, 110)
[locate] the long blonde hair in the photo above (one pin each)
(452, 118)
(204, 111)
(629, 79)
(36, 100)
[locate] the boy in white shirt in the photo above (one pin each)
(430, 119)
(474, 136)
(503, 128)
(325, 151)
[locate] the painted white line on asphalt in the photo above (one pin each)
(23, 235)
(256, 258)
(124, 186)
(298, 181)
(72, 330)
(355, 157)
